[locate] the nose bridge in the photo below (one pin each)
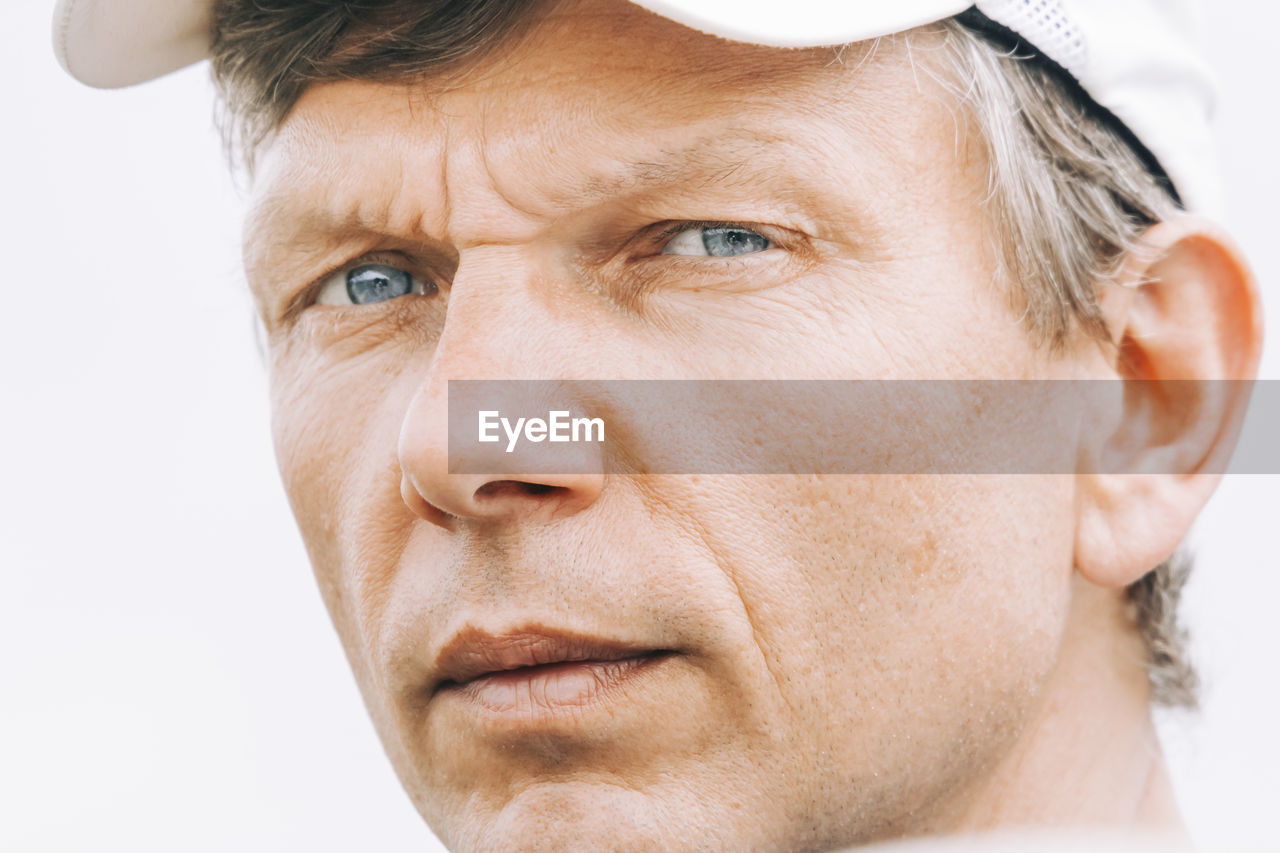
(497, 326)
(490, 300)
(508, 316)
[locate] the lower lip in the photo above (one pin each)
(553, 689)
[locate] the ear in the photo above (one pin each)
(1185, 307)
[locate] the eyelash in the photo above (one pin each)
(685, 225)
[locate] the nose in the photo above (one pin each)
(495, 327)
(454, 499)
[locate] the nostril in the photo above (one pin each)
(514, 488)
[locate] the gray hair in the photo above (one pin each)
(1069, 191)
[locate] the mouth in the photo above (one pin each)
(538, 672)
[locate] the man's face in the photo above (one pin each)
(808, 660)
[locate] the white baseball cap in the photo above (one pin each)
(1135, 58)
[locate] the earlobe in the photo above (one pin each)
(1187, 323)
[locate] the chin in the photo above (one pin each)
(600, 815)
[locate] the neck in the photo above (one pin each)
(1089, 757)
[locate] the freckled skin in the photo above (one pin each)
(859, 657)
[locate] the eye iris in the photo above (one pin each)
(377, 283)
(726, 242)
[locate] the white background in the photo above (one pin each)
(169, 678)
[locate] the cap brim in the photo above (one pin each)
(114, 43)
(804, 23)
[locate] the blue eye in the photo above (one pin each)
(368, 284)
(718, 242)
(727, 242)
(377, 283)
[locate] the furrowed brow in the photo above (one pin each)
(285, 226)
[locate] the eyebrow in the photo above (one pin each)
(707, 155)
(715, 157)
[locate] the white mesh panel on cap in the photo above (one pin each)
(1138, 59)
(1045, 24)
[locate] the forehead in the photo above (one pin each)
(593, 101)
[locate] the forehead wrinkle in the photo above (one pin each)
(285, 218)
(714, 60)
(307, 204)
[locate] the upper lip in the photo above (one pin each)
(473, 652)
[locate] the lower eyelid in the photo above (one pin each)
(335, 323)
(651, 271)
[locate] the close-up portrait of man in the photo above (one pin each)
(690, 637)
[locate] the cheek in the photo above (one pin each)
(910, 621)
(335, 434)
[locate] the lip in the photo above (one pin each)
(536, 671)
